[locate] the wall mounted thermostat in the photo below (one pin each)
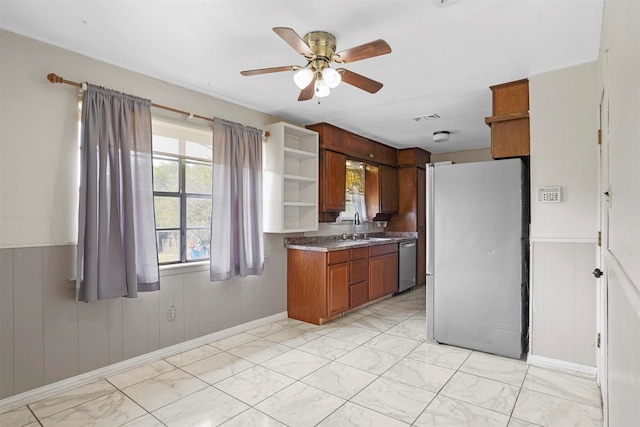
(549, 194)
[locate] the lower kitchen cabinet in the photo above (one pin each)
(337, 288)
(321, 285)
(383, 270)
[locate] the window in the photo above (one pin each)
(182, 191)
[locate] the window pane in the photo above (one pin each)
(199, 150)
(198, 178)
(198, 244)
(198, 212)
(165, 144)
(165, 175)
(167, 211)
(168, 246)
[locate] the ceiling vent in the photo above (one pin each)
(426, 117)
(443, 3)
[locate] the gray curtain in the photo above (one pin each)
(236, 217)
(117, 253)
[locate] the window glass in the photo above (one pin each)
(167, 211)
(182, 191)
(168, 246)
(199, 150)
(166, 174)
(198, 212)
(198, 178)
(198, 244)
(165, 144)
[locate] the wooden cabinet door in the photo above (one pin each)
(376, 277)
(390, 281)
(389, 201)
(337, 288)
(359, 294)
(333, 181)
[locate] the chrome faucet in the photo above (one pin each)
(356, 222)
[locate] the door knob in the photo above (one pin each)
(598, 273)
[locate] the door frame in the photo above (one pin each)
(603, 226)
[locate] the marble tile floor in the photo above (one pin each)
(371, 367)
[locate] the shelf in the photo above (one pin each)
(514, 116)
(298, 154)
(299, 204)
(290, 179)
(296, 178)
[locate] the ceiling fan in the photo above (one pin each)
(319, 49)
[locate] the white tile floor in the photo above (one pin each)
(371, 367)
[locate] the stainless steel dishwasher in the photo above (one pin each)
(407, 266)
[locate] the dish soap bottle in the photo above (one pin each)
(344, 235)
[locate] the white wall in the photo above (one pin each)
(467, 156)
(620, 79)
(44, 335)
(38, 157)
(564, 152)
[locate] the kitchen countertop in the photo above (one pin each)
(335, 243)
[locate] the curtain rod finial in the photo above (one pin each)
(54, 78)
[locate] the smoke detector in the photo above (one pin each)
(441, 136)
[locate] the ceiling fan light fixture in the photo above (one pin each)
(303, 77)
(331, 77)
(321, 89)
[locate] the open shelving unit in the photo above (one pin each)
(290, 179)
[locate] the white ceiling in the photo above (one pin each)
(443, 59)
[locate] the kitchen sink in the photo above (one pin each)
(378, 239)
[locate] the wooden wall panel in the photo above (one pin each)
(179, 327)
(564, 302)
(60, 315)
(135, 326)
(93, 336)
(166, 328)
(6, 323)
(46, 337)
(191, 306)
(153, 320)
(28, 319)
(208, 309)
(115, 326)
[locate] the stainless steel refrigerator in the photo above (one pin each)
(477, 256)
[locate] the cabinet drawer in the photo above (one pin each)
(359, 270)
(358, 294)
(359, 253)
(383, 249)
(335, 257)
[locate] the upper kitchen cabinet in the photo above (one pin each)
(290, 179)
(411, 214)
(509, 121)
(333, 180)
(354, 146)
(381, 175)
(381, 191)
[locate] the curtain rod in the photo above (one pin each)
(54, 78)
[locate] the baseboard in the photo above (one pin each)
(562, 366)
(70, 383)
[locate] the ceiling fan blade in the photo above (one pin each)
(269, 70)
(295, 41)
(307, 93)
(359, 81)
(364, 51)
